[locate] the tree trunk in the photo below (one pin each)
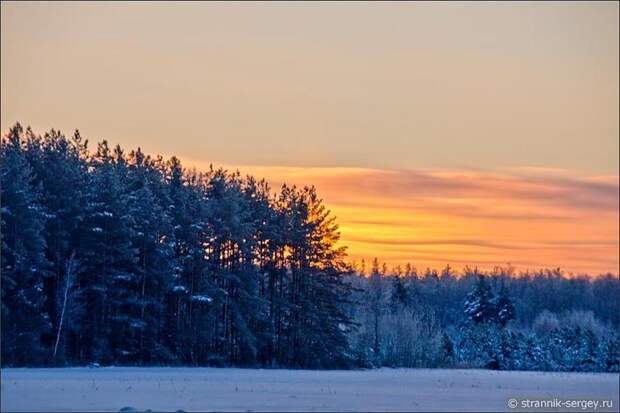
(68, 283)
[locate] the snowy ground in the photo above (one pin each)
(205, 389)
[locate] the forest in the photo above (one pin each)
(122, 258)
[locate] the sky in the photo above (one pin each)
(473, 134)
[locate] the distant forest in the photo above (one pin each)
(120, 258)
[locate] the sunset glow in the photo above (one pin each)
(526, 217)
(475, 134)
(310, 206)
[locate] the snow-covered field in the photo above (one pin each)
(205, 389)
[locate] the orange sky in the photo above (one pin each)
(530, 218)
(469, 133)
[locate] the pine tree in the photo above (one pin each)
(151, 230)
(109, 259)
(190, 319)
(318, 293)
(265, 232)
(232, 230)
(24, 267)
(128, 259)
(60, 166)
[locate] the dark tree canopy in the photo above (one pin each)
(117, 257)
(166, 265)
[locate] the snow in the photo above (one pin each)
(202, 298)
(228, 389)
(137, 324)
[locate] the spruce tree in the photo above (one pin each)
(400, 295)
(504, 307)
(479, 306)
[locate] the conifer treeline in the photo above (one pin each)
(496, 319)
(123, 258)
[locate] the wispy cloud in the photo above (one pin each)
(529, 217)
